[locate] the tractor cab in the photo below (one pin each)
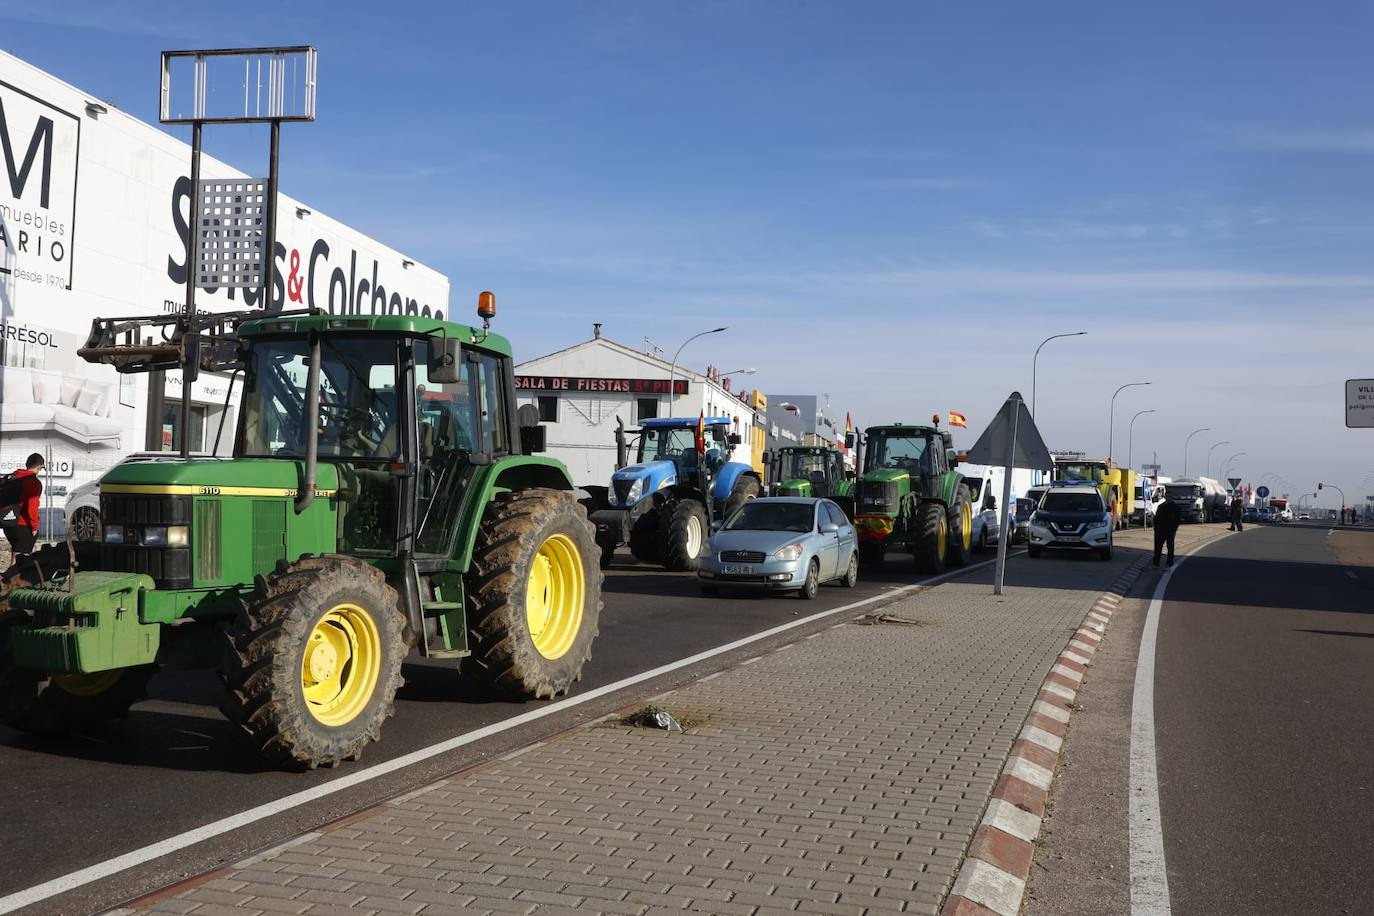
(805, 470)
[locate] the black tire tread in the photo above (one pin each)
(261, 667)
(673, 534)
(926, 549)
(503, 657)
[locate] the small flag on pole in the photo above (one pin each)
(701, 433)
(958, 419)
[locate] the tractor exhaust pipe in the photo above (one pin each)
(306, 496)
(621, 449)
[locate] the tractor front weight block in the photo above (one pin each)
(96, 628)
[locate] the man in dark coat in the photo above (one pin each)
(1237, 513)
(1167, 518)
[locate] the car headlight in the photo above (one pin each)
(178, 536)
(789, 553)
(1105, 523)
(114, 534)
(154, 536)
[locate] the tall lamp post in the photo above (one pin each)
(1111, 417)
(1185, 447)
(672, 368)
(1130, 435)
(1208, 471)
(1226, 472)
(1036, 358)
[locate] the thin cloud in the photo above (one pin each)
(1349, 140)
(925, 184)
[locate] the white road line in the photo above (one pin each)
(144, 854)
(1149, 880)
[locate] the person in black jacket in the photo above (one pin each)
(1167, 518)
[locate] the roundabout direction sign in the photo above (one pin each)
(1262, 492)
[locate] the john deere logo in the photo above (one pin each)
(38, 146)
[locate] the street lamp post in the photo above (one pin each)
(1185, 447)
(1208, 471)
(1226, 472)
(1036, 358)
(672, 368)
(1111, 418)
(1130, 436)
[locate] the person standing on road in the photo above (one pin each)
(1167, 518)
(22, 491)
(1237, 513)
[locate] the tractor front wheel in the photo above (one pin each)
(684, 533)
(313, 662)
(644, 545)
(932, 538)
(960, 528)
(534, 595)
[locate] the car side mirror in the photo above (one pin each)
(444, 355)
(533, 438)
(829, 528)
(992, 502)
(717, 524)
(849, 439)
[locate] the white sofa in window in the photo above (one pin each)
(33, 400)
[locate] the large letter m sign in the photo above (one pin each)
(19, 174)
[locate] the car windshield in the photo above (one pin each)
(758, 515)
(895, 450)
(1183, 489)
(1072, 502)
(804, 465)
(1024, 507)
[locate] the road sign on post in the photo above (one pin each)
(1233, 481)
(1359, 403)
(1012, 441)
(1262, 492)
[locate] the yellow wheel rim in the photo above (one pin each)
(967, 519)
(88, 685)
(942, 537)
(554, 595)
(341, 664)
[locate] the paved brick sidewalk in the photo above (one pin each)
(845, 773)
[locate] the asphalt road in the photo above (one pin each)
(174, 765)
(1265, 730)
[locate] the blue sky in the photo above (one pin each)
(888, 202)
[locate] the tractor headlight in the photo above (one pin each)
(789, 553)
(178, 536)
(636, 492)
(114, 534)
(154, 536)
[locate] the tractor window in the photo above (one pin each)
(804, 466)
(907, 453)
(668, 445)
(357, 417)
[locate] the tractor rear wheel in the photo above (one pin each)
(644, 544)
(745, 489)
(313, 662)
(932, 538)
(683, 531)
(534, 595)
(960, 528)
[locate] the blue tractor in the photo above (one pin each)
(663, 504)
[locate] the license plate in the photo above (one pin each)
(1070, 537)
(737, 570)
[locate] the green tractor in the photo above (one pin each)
(810, 470)
(383, 498)
(911, 496)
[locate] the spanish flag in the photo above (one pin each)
(958, 419)
(701, 433)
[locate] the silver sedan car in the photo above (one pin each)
(782, 543)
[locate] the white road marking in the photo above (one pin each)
(83, 876)
(1149, 879)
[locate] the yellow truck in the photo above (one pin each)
(1117, 484)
